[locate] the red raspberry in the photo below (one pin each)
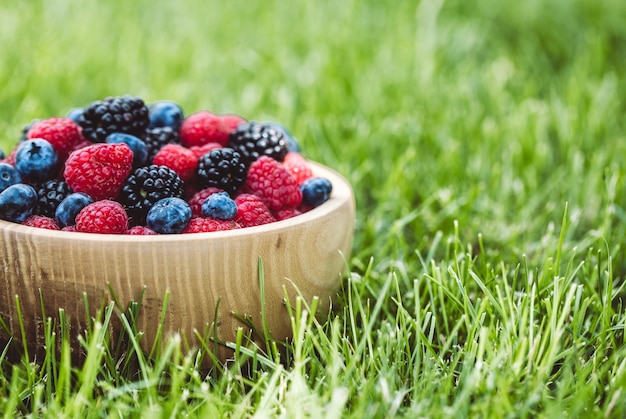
(40, 221)
(298, 166)
(203, 127)
(105, 217)
(198, 198)
(99, 170)
(251, 211)
(201, 150)
(231, 121)
(10, 158)
(286, 213)
(205, 225)
(69, 228)
(140, 231)
(62, 133)
(269, 180)
(178, 158)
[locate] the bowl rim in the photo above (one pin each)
(341, 194)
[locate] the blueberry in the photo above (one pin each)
(166, 113)
(138, 147)
(2, 156)
(74, 114)
(36, 160)
(69, 208)
(219, 205)
(17, 202)
(315, 191)
(169, 216)
(9, 175)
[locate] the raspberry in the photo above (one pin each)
(269, 180)
(105, 217)
(99, 170)
(255, 139)
(251, 211)
(205, 127)
(222, 168)
(125, 114)
(206, 225)
(286, 213)
(201, 150)
(298, 166)
(41, 221)
(62, 133)
(140, 231)
(195, 202)
(178, 158)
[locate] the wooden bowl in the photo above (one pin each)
(212, 278)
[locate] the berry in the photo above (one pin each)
(27, 128)
(251, 211)
(36, 160)
(2, 154)
(138, 147)
(220, 206)
(286, 213)
(105, 217)
(195, 202)
(156, 138)
(292, 143)
(114, 114)
(201, 150)
(9, 175)
(255, 139)
(269, 180)
(315, 191)
(74, 114)
(62, 133)
(178, 158)
(298, 166)
(49, 195)
(221, 168)
(99, 170)
(207, 225)
(17, 202)
(166, 113)
(41, 221)
(10, 159)
(204, 127)
(68, 209)
(169, 216)
(147, 185)
(140, 231)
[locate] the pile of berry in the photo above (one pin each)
(119, 166)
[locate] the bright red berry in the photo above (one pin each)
(205, 225)
(195, 202)
(40, 221)
(105, 217)
(201, 150)
(140, 231)
(286, 213)
(251, 211)
(203, 127)
(298, 166)
(99, 170)
(271, 181)
(178, 158)
(62, 133)
(231, 121)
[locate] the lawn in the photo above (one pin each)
(486, 145)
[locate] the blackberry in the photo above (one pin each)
(157, 137)
(255, 139)
(27, 128)
(222, 168)
(49, 195)
(147, 185)
(125, 114)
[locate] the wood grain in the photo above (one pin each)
(205, 274)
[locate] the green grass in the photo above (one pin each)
(486, 144)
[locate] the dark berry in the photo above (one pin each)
(49, 196)
(27, 128)
(36, 160)
(2, 155)
(315, 191)
(17, 202)
(138, 147)
(68, 209)
(156, 138)
(166, 113)
(147, 185)
(219, 205)
(9, 175)
(222, 168)
(114, 114)
(169, 216)
(255, 139)
(292, 143)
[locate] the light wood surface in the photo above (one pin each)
(205, 274)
